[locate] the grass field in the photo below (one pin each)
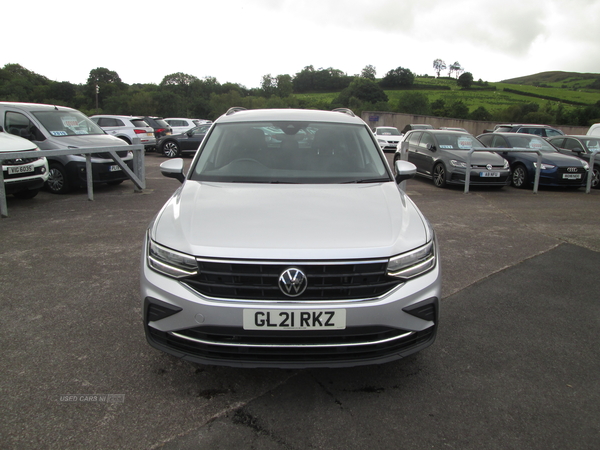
(565, 87)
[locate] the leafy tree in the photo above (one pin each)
(481, 114)
(285, 85)
(438, 108)
(458, 110)
(398, 78)
(363, 90)
(304, 80)
(455, 67)
(465, 81)
(369, 72)
(268, 86)
(103, 84)
(413, 102)
(438, 66)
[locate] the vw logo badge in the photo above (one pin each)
(293, 282)
(489, 167)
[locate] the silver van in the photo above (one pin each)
(53, 127)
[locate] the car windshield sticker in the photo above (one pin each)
(58, 133)
(446, 146)
(69, 121)
(465, 143)
(536, 144)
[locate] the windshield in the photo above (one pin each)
(534, 143)
(388, 131)
(456, 141)
(67, 123)
(290, 152)
(593, 145)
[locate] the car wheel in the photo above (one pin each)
(519, 177)
(57, 180)
(596, 177)
(124, 139)
(439, 175)
(170, 149)
(27, 194)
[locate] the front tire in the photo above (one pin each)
(439, 175)
(170, 149)
(58, 182)
(519, 177)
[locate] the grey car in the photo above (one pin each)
(299, 251)
(441, 155)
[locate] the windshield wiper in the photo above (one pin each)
(368, 180)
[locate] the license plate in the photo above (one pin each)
(571, 176)
(150, 134)
(20, 169)
(277, 319)
(114, 168)
(489, 174)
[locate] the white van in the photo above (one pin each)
(23, 177)
(594, 130)
(53, 127)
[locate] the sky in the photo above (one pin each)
(240, 41)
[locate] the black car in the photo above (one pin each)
(176, 144)
(441, 155)
(416, 126)
(539, 130)
(556, 168)
(581, 147)
(161, 128)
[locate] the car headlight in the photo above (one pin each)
(456, 163)
(169, 262)
(586, 166)
(544, 166)
(414, 263)
(506, 165)
(382, 142)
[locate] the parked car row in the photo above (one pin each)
(441, 156)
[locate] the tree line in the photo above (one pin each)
(185, 95)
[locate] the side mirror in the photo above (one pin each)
(173, 168)
(404, 170)
(579, 151)
(190, 133)
(431, 147)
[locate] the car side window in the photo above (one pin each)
(552, 133)
(413, 139)
(499, 142)
(425, 140)
(560, 143)
(572, 144)
(20, 125)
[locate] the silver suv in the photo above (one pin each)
(290, 244)
(127, 128)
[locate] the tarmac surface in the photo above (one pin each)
(516, 364)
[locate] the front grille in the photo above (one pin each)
(106, 155)
(18, 162)
(573, 170)
(241, 280)
(234, 344)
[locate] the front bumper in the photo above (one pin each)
(186, 324)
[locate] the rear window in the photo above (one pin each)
(290, 152)
(139, 123)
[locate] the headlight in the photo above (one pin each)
(506, 165)
(382, 142)
(544, 166)
(169, 262)
(456, 163)
(586, 166)
(413, 263)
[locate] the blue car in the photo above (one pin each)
(557, 169)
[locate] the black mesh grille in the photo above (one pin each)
(261, 281)
(571, 171)
(106, 155)
(17, 162)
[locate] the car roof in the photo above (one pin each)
(576, 136)
(259, 115)
(36, 106)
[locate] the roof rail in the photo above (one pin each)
(345, 111)
(234, 109)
